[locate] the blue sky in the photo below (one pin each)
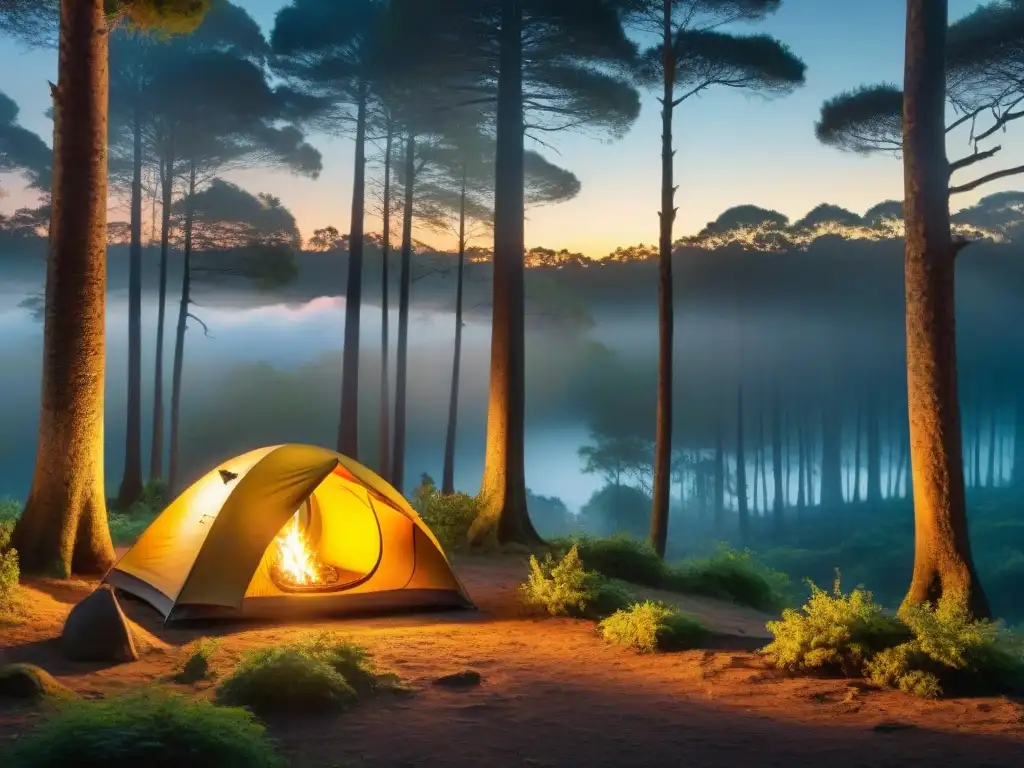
(731, 148)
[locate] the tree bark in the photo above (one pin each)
(666, 321)
(348, 425)
(503, 486)
(943, 566)
(385, 279)
(179, 336)
(131, 480)
(448, 473)
(404, 280)
(156, 455)
(64, 525)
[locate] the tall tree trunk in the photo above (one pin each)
(742, 510)
(831, 456)
(152, 205)
(448, 473)
(719, 475)
(942, 553)
(131, 480)
(179, 336)
(757, 481)
(874, 450)
(762, 458)
(64, 525)
(858, 416)
(990, 476)
(404, 280)
(901, 471)
(666, 321)
(778, 500)
(348, 426)
(503, 486)
(1017, 471)
(156, 454)
(385, 279)
(801, 465)
(976, 474)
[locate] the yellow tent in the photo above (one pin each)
(288, 530)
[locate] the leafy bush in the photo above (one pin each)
(731, 575)
(950, 651)
(9, 571)
(564, 588)
(317, 674)
(146, 729)
(618, 557)
(648, 627)
(727, 574)
(925, 651)
(834, 632)
(197, 665)
(450, 517)
(10, 510)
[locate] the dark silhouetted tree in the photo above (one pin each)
(691, 55)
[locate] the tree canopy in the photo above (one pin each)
(22, 151)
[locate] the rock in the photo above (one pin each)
(889, 726)
(97, 630)
(465, 679)
(27, 681)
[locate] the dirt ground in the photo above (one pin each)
(553, 694)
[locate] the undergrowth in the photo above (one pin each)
(564, 588)
(322, 672)
(149, 729)
(726, 574)
(927, 651)
(648, 627)
(9, 571)
(197, 666)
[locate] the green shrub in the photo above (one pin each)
(618, 557)
(564, 588)
(834, 632)
(950, 651)
(450, 517)
(197, 666)
(648, 627)
(146, 729)
(731, 575)
(9, 571)
(10, 510)
(313, 675)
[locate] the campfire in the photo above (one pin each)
(295, 566)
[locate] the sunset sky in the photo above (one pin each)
(732, 149)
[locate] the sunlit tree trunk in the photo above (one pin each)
(404, 280)
(156, 455)
(131, 480)
(348, 426)
(666, 322)
(448, 472)
(503, 509)
(64, 525)
(385, 280)
(179, 336)
(942, 554)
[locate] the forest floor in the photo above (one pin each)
(552, 692)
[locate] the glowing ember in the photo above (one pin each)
(296, 565)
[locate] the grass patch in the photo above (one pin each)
(323, 672)
(150, 729)
(27, 681)
(565, 588)
(726, 574)
(648, 627)
(197, 665)
(925, 651)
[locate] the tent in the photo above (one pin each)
(288, 530)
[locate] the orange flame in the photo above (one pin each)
(294, 557)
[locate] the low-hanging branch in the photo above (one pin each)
(986, 179)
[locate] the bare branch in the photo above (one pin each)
(972, 159)
(986, 179)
